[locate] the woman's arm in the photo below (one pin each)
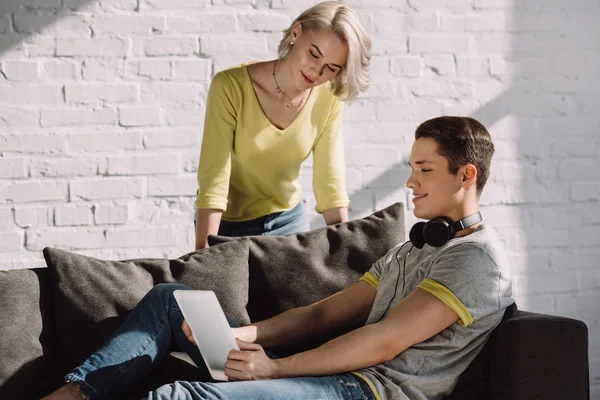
(335, 215)
(329, 167)
(207, 223)
(214, 166)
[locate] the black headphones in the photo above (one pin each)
(435, 232)
(438, 231)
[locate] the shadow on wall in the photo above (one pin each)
(554, 97)
(377, 193)
(542, 111)
(539, 99)
(32, 19)
(551, 65)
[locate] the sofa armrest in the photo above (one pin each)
(539, 356)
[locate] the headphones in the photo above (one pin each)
(435, 232)
(438, 231)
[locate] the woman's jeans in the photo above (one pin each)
(153, 328)
(277, 224)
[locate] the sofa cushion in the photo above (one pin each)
(300, 269)
(92, 296)
(26, 341)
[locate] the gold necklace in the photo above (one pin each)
(279, 91)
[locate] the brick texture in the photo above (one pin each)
(102, 106)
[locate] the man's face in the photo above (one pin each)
(436, 191)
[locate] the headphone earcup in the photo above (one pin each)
(436, 232)
(416, 235)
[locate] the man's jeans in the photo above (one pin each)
(153, 328)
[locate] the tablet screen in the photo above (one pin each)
(211, 331)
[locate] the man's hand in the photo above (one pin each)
(245, 333)
(249, 363)
(187, 332)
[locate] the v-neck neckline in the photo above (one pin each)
(262, 112)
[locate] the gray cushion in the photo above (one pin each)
(300, 269)
(26, 356)
(92, 297)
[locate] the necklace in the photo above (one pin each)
(279, 91)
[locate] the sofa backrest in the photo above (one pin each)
(539, 356)
(91, 294)
(301, 269)
(27, 342)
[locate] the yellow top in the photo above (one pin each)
(249, 168)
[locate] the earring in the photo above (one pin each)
(291, 43)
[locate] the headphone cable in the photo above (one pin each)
(398, 277)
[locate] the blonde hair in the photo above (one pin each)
(345, 23)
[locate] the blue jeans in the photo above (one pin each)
(277, 224)
(153, 328)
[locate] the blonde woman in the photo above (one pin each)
(263, 119)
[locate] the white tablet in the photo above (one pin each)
(211, 331)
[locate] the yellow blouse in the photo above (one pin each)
(248, 168)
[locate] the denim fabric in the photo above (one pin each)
(148, 333)
(153, 328)
(277, 224)
(335, 387)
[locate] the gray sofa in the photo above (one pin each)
(53, 318)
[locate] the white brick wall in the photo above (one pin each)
(102, 104)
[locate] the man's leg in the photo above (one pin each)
(148, 333)
(335, 387)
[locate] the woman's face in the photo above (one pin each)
(316, 57)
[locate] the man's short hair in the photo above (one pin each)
(461, 140)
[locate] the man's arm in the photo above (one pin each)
(416, 318)
(341, 312)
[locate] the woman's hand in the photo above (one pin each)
(187, 332)
(249, 363)
(335, 215)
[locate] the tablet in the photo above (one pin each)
(211, 331)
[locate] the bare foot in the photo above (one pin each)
(70, 391)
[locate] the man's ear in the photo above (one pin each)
(469, 175)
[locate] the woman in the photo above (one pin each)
(263, 120)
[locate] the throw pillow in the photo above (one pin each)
(92, 296)
(296, 270)
(26, 337)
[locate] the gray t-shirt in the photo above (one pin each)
(471, 275)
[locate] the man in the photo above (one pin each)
(407, 329)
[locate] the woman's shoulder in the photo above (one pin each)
(324, 97)
(232, 77)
